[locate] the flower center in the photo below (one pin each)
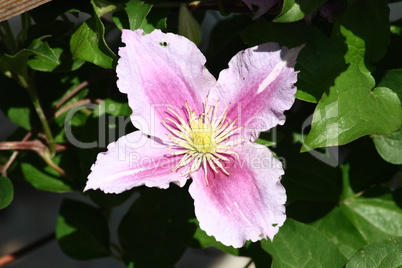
(202, 137)
(202, 140)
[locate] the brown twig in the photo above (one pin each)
(9, 258)
(13, 156)
(37, 146)
(80, 87)
(73, 105)
(68, 96)
(71, 94)
(34, 145)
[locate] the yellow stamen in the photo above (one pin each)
(203, 139)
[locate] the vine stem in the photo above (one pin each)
(76, 104)
(36, 103)
(80, 87)
(71, 94)
(13, 156)
(9, 258)
(34, 145)
(347, 191)
(56, 113)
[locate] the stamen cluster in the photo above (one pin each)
(204, 139)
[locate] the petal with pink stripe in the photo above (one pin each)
(157, 71)
(131, 161)
(259, 85)
(246, 205)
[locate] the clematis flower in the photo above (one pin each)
(191, 125)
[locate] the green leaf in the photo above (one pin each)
(46, 180)
(88, 43)
(46, 64)
(20, 116)
(157, 229)
(299, 245)
(16, 104)
(362, 32)
(6, 192)
(352, 110)
(383, 253)
(57, 34)
(393, 80)
(117, 107)
(390, 146)
(102, 7)
(44, 177)
(45, 59)
(341, 231)
(294, 10)
(359, 221)
(157, 19)
(82, 231)
(139, 14)
(265, 142)
(374, 218)
(319, 62)
(188, 26)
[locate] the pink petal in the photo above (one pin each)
(259, 84)
(263, 6)
(160, 70)
(246, 205)
(132, 161)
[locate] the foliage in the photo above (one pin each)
(341, 143)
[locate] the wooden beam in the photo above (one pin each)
(11, 8)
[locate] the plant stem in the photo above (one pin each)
(35, 145)
(71, 94)
(51, 164)
(80, 87)
(6, 259)
(55, 115)
(35, 100)
(14, 155)
(75, 104)
(347, 191)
